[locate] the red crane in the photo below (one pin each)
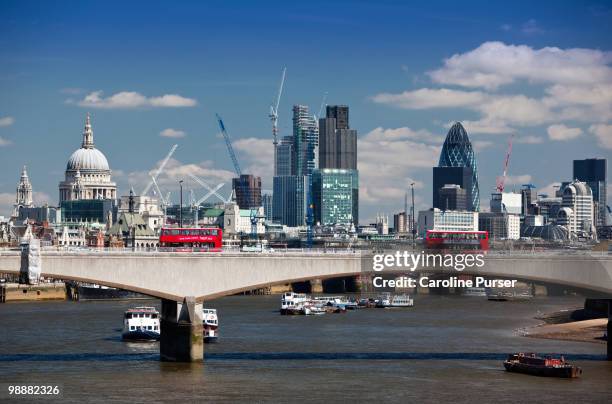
(501, 180)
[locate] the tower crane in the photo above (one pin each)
(211, 191)
(501, 180)
(159, 170)
(273, 115)
(323, 105)
(241, 180)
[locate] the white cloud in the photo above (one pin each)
(485, 126)
(480, 145)
(562, 132)
(603, 133)
(426, 98)
(172, 133)
(518, 179)
(529, 139)
(549, 189)
(5, 142)
(256, 154)
(388, 159)
(7, 121)
(494, 64)
(132, 99)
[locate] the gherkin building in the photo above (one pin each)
(457, 151)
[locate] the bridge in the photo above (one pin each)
(191, 278)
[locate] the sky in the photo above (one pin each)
(154, 73)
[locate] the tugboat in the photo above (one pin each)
(211, 325)
(531, 364)
(141, 324)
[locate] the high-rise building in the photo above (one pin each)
(305, 141)
(452, 197)
(436, 219)
(335, 193)
(283, 156)
(594, 173)
(461, 176)
(247, 189)
(266, 201)
(576, 211)
(337, 142)
(500, 225)
(457, 151)
(399, 223)
(506, 202)
(289, 200)
(529, 197)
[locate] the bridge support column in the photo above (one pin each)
(181, 331)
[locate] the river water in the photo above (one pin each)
(444, 349)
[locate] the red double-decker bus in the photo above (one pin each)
(191, 239)
(457, 240)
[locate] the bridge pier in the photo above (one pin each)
(181, 331)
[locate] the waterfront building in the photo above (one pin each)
(460, 176)
(23, 198)
(382, 224)
(337, 142)
(506, 202)
(452, 197)
(449, 220)
(335, 192)
(289, 200)
(594, 172)
(457, 151)
(576, 212)
(266, 202)
(88, 210)
(88, 175)
(399, 223)
(305, 142)
(501, 226)
(238, 221)
(247, 190)
(146, 206)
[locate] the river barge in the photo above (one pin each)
(531, 364)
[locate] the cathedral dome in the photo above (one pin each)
(87, 159)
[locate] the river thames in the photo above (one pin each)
(445, 348)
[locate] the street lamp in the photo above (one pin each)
(412, 215)
(181, 207)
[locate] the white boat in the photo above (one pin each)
(292, 303)
(210, 322)
(387, 300)
(141, 324)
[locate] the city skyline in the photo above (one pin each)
(402, 106)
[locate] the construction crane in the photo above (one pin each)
(273, 115)
(501, 180)
(159, 170)
(163, 201)
(241, 180)
(323, 105)
(211, 191)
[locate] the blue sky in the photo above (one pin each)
(540, 70)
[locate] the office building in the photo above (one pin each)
(283, 156)
(289, 200)
(500, 226)
(460, 176)
(335, 193)
(506, 202)
(337, 142)
(595, 173)
(576, 212)
(305, 142)
(88, 210)
(529, 197)
(266, 202)
(457, 151)
(452, 197)
(247, 189)
(399, 223)
(436, 219)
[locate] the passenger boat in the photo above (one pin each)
(531, 364)
(211, 325)
(386, 300)
(141, 324)
(292, 303)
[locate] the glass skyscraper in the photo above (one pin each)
(335, 194)
(457, 151)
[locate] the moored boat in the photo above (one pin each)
(386, 300)
(141, 324)
(210, 322)
(531, 364)
(292, 303)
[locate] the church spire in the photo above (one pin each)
(87, 135)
